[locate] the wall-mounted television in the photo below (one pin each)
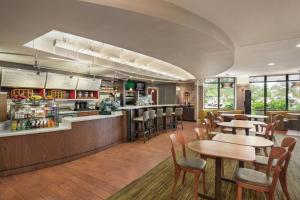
(130, 85)
(140, 86)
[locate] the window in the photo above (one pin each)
(280, 92)
(294, 92)
(219, 93)
(276, 92)
(257, 94)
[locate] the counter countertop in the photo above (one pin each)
(74, 112)
(65, 125)
(149, 106)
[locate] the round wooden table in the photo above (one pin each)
(220, 150)
(234, 124)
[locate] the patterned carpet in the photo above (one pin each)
(157, 183)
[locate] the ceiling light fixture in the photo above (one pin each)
(298, 45)
(90, 52)
(271, 64)
(63, 45)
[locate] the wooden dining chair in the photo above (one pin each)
(201, 134)
(259, 181)
(261, 163)
(241, 117)
(191, 165)
(209, 129)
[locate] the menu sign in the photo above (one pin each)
(22, 78)
(59, 81)
(88, 84)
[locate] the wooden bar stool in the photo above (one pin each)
(259, 181)
(261, 162)
(143, 121)
(191, 165)
(159, 120)
(169, 118)
(178, 117)
(152, 126)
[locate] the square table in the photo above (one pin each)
(220, 150)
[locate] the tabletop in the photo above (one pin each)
(223, 150)
(253, 141)
(249, 116)
(237, 124)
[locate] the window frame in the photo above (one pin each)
(218, 83)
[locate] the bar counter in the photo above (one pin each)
(28, 150)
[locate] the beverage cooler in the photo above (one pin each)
(32, 115)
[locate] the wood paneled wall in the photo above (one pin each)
(29, 152)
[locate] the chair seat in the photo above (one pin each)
(263, 160)
(192, 163)
(253, 177)
(138, 119)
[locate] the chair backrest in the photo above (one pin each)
(140, 112)
(146, 116)
(159, 112)
(201, 133)
(152, 114)
(178, 111)
(207, 124)
(240, 117)
(169, 111)
(268, 131)
(288, 143)
(177, 139)
(278, 153)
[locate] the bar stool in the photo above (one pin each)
(169, 118)
(178, 117)
(144, 122)
(152, 116)
(159, 120)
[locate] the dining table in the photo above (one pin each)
(252, 141)
(255, 117)
(238, 124)
(218, 151)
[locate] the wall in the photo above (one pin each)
(240, 96)
(167, 93)
(186, 87)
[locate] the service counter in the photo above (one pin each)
(75, 137)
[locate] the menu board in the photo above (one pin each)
(22, 78)
(59, 81)
(89, 84)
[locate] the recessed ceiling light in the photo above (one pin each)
(271, 64)
(298, 45)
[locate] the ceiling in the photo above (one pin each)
(203, 37)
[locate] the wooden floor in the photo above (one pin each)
(94, 177)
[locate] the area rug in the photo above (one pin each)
(158, 182)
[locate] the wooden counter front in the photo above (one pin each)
(29, 152)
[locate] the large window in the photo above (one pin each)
(280, 92)
(219, 93)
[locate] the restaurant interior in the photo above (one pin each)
(149, 100)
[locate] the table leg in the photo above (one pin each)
(218, 179)
(241, 164)
(247, 131)
(234, 130)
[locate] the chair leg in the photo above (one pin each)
(283, 183)
(204, 184)
(265, 151)
(183, 177)
(222, 167)
(196, 184)
(177, 174)
(239, 193)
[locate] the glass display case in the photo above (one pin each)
(32, 115)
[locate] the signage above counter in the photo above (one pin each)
(88, 84)
(59, 81)
(22, 78)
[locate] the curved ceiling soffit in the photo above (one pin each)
(219, 61)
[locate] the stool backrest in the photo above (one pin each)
(159, 113)
(152, 114)
(178, 111)
(146, 116)
(169, 111)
